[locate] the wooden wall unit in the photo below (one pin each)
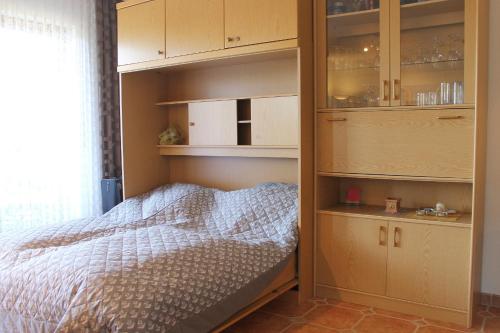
(230, 96)
(379, 129)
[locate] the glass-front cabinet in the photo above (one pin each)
(395, 53)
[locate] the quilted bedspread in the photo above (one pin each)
(181, 258)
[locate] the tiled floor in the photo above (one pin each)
(329, 316)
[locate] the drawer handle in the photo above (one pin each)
(233, 39)
(397, 236)
(382, 236)
(337, 119)
(450, 117)
(160, 52)
(191, 123)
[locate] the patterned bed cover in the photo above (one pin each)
(182, 258)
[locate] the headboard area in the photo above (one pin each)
(238, 118)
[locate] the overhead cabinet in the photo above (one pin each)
(160, 29)
(259, 21)
(141, 32)
(193, 26)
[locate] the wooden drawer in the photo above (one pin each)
(352, 253)
(427, 143)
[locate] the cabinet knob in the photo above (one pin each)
(233, 39)
(160, 52)
(191, 123)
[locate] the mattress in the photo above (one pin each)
(182, 258)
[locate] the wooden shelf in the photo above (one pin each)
(350, 18)
(378, 213)
(399, 108)
(166, 103)
(431, 7)
(391, 177)
(233, 151)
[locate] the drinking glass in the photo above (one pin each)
(444, 93)
(458, 92)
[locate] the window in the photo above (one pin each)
(49, 121)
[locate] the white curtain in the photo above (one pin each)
(49, 122)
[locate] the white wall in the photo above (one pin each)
(491, 246)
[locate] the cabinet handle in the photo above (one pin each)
(396, 89)
(233, 39)
(337, 119)
(449, 117)
(191, 123)
(385, 90)
(397, 236)
(382, 236)
(160, 52)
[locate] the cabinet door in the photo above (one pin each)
(430, 143)
(193, 26)
(141, 32)
(259, 21)
(213, 123)
(428, 53)
(352, 253)
(357, 51)
(429, 264)
(269, 114)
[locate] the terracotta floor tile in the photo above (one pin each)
(492, 325)
(396, 314)
(494, 310)
(347, 305)
(287, 305)
(380, 324)
(306, 328)
(334, 317)
(453, 326)
(260, 322)
(435, 329)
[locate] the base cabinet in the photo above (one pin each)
(352, 253)
(422, 263)
(428, 264)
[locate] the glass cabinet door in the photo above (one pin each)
(427, 52)
(357, 53)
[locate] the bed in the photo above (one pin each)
(182, 258)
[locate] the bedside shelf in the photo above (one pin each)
(230, 151)
(378, 213)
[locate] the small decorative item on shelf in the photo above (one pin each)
(171, 136)
(353, 196)
(392, 205)
(439, 212)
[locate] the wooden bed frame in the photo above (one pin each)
(286, 280)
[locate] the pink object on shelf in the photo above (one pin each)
(353, 196)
